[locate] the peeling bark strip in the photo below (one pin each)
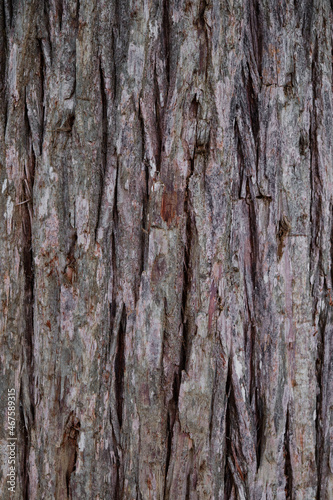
(166, 185)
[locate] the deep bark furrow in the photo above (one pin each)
(120, 367)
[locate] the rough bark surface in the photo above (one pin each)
(166, 252)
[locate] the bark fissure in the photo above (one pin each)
(230, 422)
(145, 201)
(119, 367)
(287, 461)
(104, 146)
(26, 210)
(166, 39)
(320, 443)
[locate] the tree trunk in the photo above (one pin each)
(166, 251)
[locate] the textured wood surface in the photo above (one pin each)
(166, 248)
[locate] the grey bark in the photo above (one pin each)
(166, 252)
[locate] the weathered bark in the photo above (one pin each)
(166, 250)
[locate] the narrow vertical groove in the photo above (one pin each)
(27, 409)
(119, 367)
(169, 434)
(104, 145)
(229, 419)
(159, 118)
(287, 460)
(3, 66)
(166, 37)
(145, 201)
(320, 444)
(42, 83)
(59, 12)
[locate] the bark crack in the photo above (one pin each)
(287, 460)
(119, 367)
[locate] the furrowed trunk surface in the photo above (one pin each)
(166, 248)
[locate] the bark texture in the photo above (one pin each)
(166, 252)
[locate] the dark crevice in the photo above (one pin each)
(261, 196)
(320, 440)
(42, 84)
(145, 204)
(240, 161)
(119, 367)
(26, 209)
(113, 305)
(104, 119)
(187, 271)
(185, 344)
(112, 316)
(229, 483)
(184, 347)
(114, 60)
(188, 487)
(252, 100)
(166, 37)
(253, 234)
(168, 455)
(243, 178)
(283, 233)
(77, 17)
(159, 116)
(59, 12)
(259, 423)
(251, 327)
(3, 65)
(104, 144)
(287, 460)
(315, 178)
(234, 459)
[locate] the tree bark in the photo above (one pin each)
(166, 251)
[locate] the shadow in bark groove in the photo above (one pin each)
(27, 408)
(166, 37)
(145, 204)
(119, 366)
(104, 144)
(287, 460)
(320, 441)
(233, 476)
